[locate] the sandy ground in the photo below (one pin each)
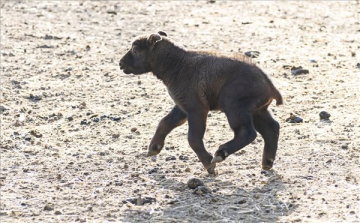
(75, 129)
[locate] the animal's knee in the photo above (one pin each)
(194, 141)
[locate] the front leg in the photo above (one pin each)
(197, 126)
(175, 118)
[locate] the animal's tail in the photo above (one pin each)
(278, 97)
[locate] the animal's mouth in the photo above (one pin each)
(123, 68)
(126, 71)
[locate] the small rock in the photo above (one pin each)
(103, 117)
(49, 37)
(82, 105)
(183, 157)
(194, 183)
(344, 146)
(294, 119)
(87, 48)
(133, 129)
(96, 119)
(140, 201)
(115, 136)
(115, 118)
(358, 65)
(68, 69)
(200, 190)
(70, 118)
(84, 122)
(242, 201)
(27, 138)
(153, 170)
(252, 54)
(298, 71)
(313, 61)
(36, 133)
(2, 109)
(170, 158)
(111, 12)
(57, 213)
(324, 115)
(35, 97)
(49, 207)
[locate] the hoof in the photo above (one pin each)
(154, 150)
(211, 168)
(268, 164)
(219, 156)
(217, 159)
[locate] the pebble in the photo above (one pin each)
(114, 118)
(70, 118)
(133, 129)
(183, 157)
(324, 115)
(170, 158)
(252, 54)
(57, 213)
(35, 97)
(153, 170)
(48, 207)
(298, 71)
(115, 136)
(294, 119)
(36, 133)
(84, 122)
(140, 201)
(96, 119)
(2, 109)
(194, 183)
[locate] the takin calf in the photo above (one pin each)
(200, 81)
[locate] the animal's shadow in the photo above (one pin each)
(226, 202)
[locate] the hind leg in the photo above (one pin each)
(269, 130)
(241, 122)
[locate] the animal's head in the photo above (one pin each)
(137, 59)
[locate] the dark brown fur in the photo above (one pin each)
(200, 81)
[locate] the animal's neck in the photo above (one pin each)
(167, 63)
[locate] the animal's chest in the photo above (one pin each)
(177, 96)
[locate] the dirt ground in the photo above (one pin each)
(75, 129)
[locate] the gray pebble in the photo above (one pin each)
(194, 183)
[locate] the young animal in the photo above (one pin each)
(200, 81)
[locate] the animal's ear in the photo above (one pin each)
(153, 39)
(162, 33)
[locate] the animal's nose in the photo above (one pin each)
(121, 64)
